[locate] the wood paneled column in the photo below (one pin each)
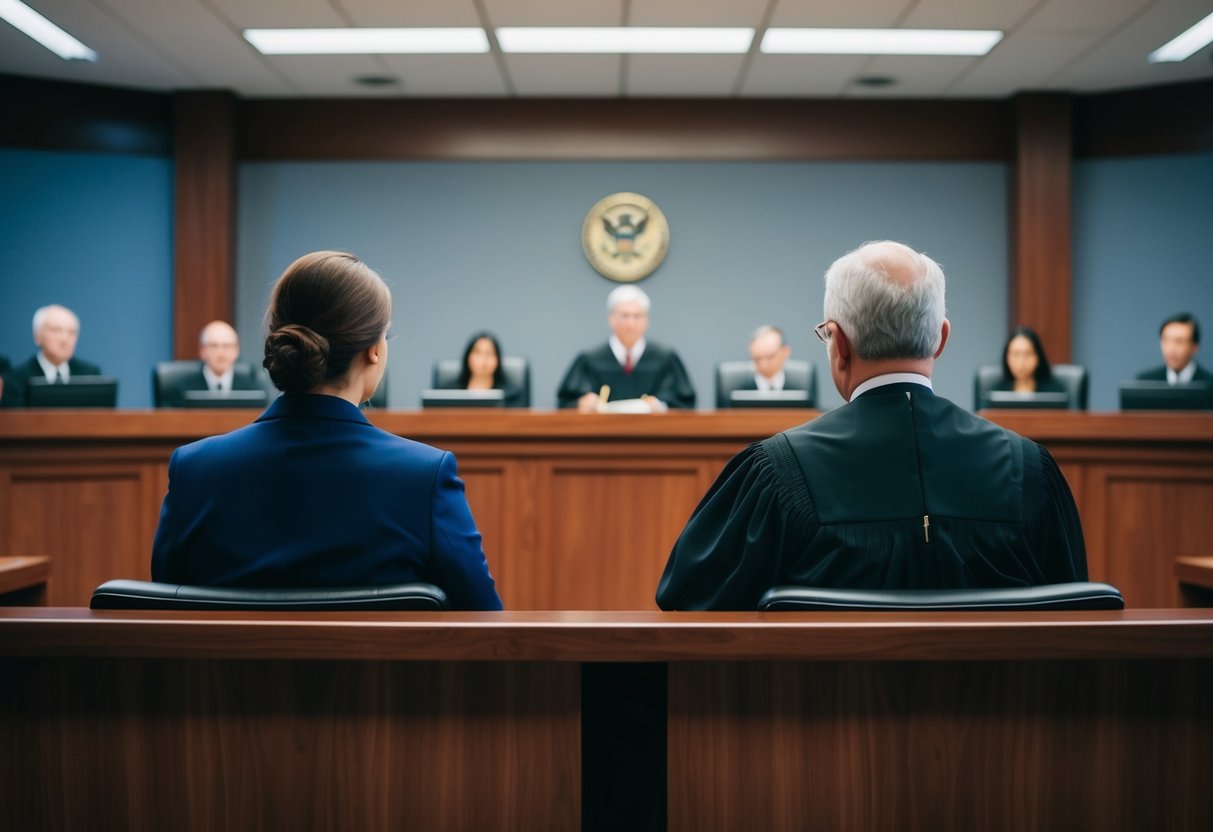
(204, 211)
(1040, 220)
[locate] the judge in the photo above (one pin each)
(897, 489)
(1179, 341)
(632, 366)
(56, 331)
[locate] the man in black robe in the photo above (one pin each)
(633, 367)
(898, 489)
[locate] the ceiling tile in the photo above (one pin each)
(330, 75)
(588, 75)
(800, 75)
(917, 76)
(1022, 61)
(280, 14)
(677, 75)
(829, 14)
(390, 13)
(447, 75)
(696, 13)
(1089, 16)
(554, 13)
(969, 14)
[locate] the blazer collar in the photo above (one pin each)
(312, 406)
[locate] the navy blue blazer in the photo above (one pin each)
(312, 494)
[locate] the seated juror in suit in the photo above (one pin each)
(1179, 340)
(1025, 367)
(483, 368)
(219, 369)
(897, 489)
(56, 331)
(632, 366)
(312, 494)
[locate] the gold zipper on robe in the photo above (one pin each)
(926, 528)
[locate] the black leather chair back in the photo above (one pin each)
(1071, 596)
(517, 371)
(150, 595)
(169, 378)
(1072, 376)
(734, 375)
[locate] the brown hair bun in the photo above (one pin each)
(296, 357)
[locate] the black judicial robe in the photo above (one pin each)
(900, 489)
(659, 372)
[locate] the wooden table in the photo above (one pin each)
(948, 721)
(23, 580)
(1195, 580)
(580, 512)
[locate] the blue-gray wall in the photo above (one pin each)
(94, 233)
(496, 246)
(1143, 250)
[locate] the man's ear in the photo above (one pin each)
(944, 332)
(842, 344)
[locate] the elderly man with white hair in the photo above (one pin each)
(897, 489)
(56, 330)
(631, 366)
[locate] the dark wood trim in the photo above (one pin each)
(627, 129)
(1039, 219)
(1175, 118)
(204, 211)
(56, 115)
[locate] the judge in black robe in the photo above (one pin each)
(632, 366)
(898, 489)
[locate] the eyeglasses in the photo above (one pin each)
(822, 331)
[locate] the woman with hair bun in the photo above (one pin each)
(312, 494)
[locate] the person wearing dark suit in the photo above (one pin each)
(56, 331)
(1025, 366)
(481, 369)
(897, 489)
(312, 494)
(769, 351)
(218, 370)
(633, 367)
(1179, 340)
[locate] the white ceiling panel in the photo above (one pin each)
(969, 14)
(696, 13)
(801, 75)
(571, 75)
(447, 75)
(411, 12)
(1021, 62)
(554, 12)
(917, 76)
(280, 14)
(329, 75)
(1089, 16)
(204, 43)
(826, 13)
(678, 75)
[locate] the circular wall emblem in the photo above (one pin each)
(625, 237)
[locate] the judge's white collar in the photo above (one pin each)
(890, 378)
(621, 352)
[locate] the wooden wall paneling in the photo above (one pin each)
(607, 529)
(163, 744)
(957, 746)
(204, 212)
(92, 523)
(1039, 239)
(498, 494)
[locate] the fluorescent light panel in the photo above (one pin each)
(625, 39)
(880, 41)
(46, 33)
(1186, 44)
(367, 41)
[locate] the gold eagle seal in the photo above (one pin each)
(625, 237)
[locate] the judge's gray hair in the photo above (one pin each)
(628, 294)
(41, 314)
(884, 317)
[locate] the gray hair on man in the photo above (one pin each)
(885, 317)
(628, 294)
(43, 312)
(767, 329)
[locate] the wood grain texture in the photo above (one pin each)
(631, 129)
(1195, 581)
(204, 211)
(1040, 221)
(958, 746)
(153, 745)
(607, 636)
(23, 581)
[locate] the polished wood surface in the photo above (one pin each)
(580, 512)
(23, 580)
(204, 215)
(1195, 575)
(607, 636)
(1040, 221)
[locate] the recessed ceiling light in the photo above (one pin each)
(880, 41)
(46, 33)
(875, 81)
(367, 41)
(1186, 44)
(625, 39)
(377, 81)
